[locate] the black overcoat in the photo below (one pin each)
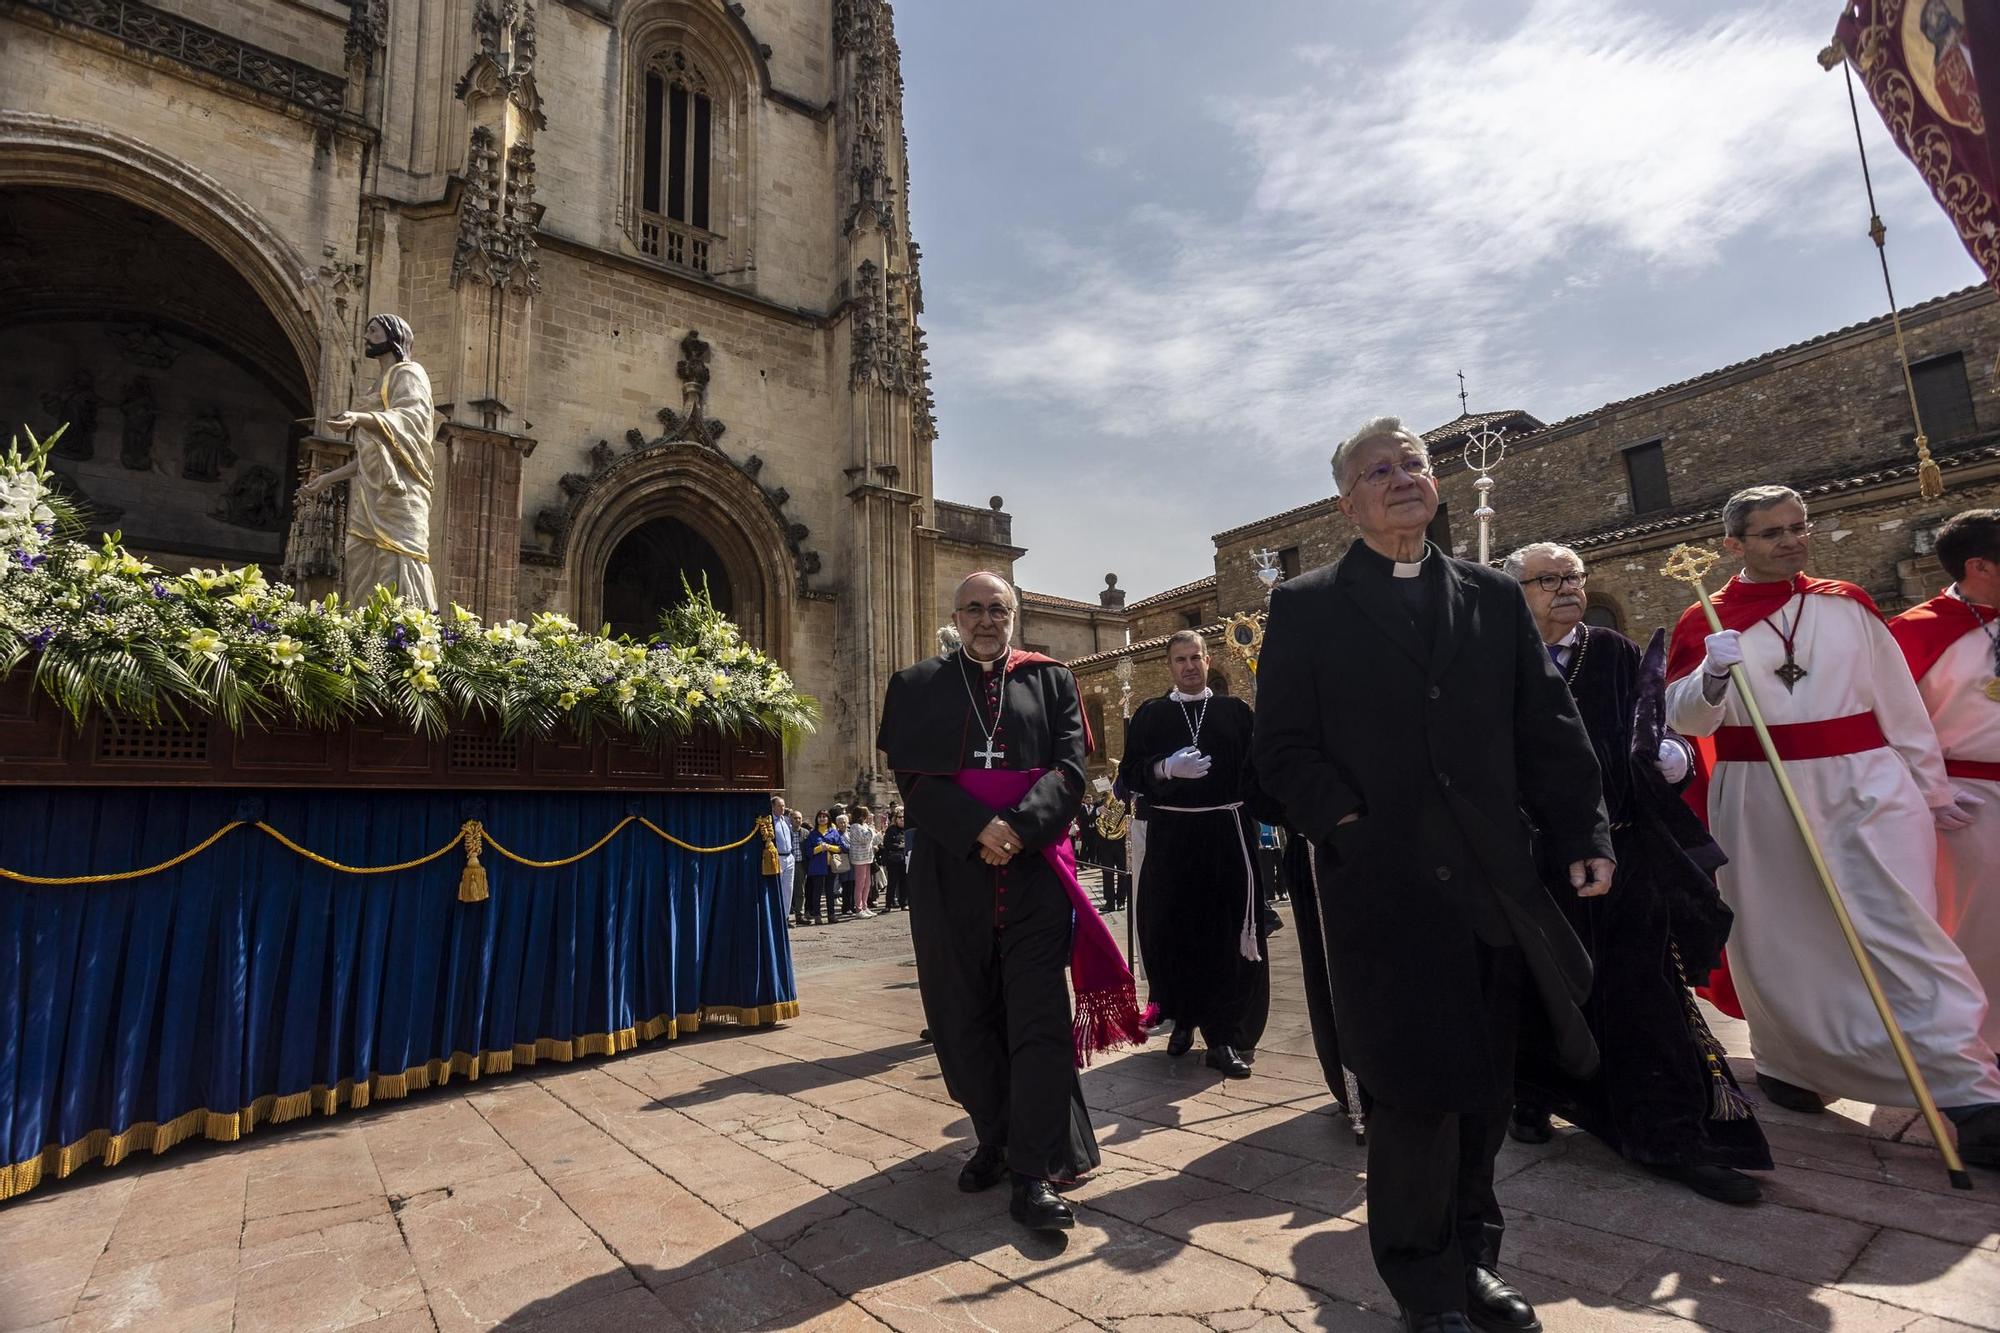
(1443, 749)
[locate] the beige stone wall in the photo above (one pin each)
(313, 32)
(1065, 632)
(1149, 622)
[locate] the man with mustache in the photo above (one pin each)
(987, 745)
(1859, 748)
(1662, 1098)
(1407, 715)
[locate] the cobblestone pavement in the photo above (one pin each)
(803, 1177)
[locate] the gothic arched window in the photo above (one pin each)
(676, 167)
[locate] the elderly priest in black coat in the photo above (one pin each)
(1407, 718)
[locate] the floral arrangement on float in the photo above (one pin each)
(107, 630)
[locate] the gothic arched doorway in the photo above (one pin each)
(179, 386)
(651, 568)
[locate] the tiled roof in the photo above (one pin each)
(1293, 514)
(1472, 421)
(1054, 602)
(1143, 645)
(1171, 594)
(1900, 470)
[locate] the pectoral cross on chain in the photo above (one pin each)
(994, 750)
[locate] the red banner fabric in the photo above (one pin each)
(1915, 58)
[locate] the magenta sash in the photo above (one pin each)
(1107, 1001)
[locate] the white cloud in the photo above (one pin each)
(1421, 214)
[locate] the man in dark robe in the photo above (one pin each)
(1663, 1097)
(1407, 715)
(987, 746)
(1201, 917)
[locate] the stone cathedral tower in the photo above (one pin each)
(657, 254)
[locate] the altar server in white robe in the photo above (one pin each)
(1952, 643)
(392, 471)
(1859, 748)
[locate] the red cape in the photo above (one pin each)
(1016, 656)
(1925, 632)
(1739, 604)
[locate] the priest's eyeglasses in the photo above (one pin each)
(999, 613)
(1778, 534)
(1410, 467)
(1556, 582)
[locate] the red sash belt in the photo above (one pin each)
(1972, 768)
(1854, 734)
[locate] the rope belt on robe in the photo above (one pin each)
(1107, 1001)
(1357, 1116)
(1246, 939)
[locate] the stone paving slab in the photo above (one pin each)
(804, 1177)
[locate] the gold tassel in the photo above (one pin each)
(472, 884)
(772, 865)
(1930, 477)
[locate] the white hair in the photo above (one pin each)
(1516, 564)
(1379, 428)
(1736, 514)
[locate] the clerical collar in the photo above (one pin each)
(1207, 692)
(1743, 576)
(966, 653)
(1404, 569)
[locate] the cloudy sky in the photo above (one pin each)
(1173, 249)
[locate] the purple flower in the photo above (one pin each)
(40, 638)
(160, 590)
(450, 636)
(28, 562)
(398, 637)
(262, 626)
(44, 529)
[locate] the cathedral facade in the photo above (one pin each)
(656, 253)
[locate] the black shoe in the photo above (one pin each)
(1720, 1183)
(925, 1035)
(1182, 1041)
(1492, 1305)
(1036, 1206)
(1529, 1124)
(986, 1168)
(1273, 923)
(1450, 1321)
(1228, 1061)
(1979, 1137)
(1790, 1095)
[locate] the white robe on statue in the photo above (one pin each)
(1811, 1020)
(1968, 728)
(389, 498)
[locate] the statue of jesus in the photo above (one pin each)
(389, 504)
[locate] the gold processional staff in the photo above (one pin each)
(1690, 565)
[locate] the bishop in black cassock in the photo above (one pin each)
(981, 739)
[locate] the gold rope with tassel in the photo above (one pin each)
(1930, 477)
(472, 884)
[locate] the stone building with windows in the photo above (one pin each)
(1626, 482)
(658, 260)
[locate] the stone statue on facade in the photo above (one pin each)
(392, 474)
(205, 451)
(75, 404)
(135, 446)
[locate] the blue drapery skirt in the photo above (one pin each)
(252, 984)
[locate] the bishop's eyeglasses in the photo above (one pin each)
(999, 613)
(1777, 534)
(1556, 582)
(1380, 474)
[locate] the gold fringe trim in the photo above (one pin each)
(58, 1161)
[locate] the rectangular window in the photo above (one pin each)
(1288, 562)
(1646, 476)
(1944, 398)
(649, 165)
(677, 150)
(1191, 620)
(1439, 531)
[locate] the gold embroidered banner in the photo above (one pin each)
(1915, 57)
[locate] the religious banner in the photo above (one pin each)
(1915, 58)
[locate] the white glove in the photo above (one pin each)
(1725, 650)
(1186, 762)
(1960, 813)
(1672, 760)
